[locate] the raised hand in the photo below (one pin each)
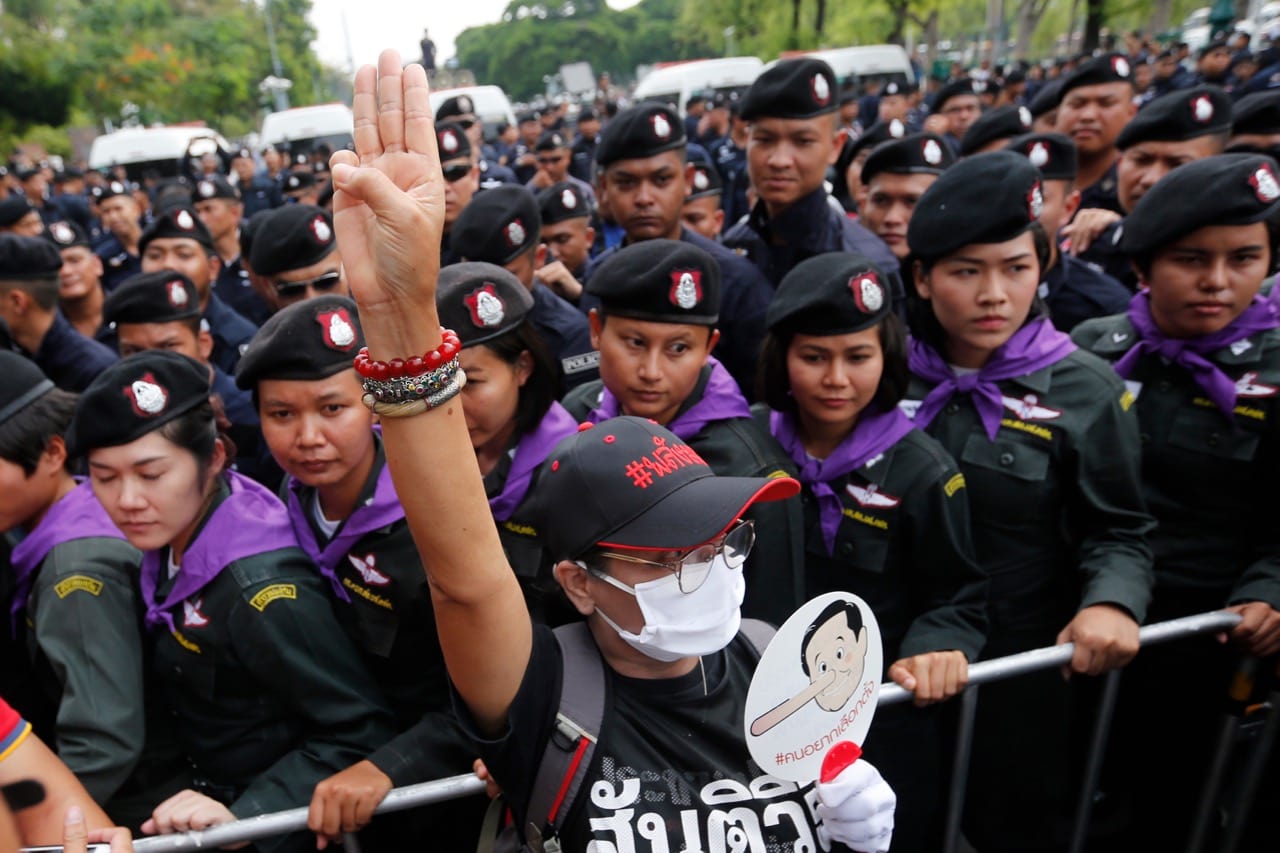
(389, 193)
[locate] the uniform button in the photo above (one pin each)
(1214, 438)
(846, 550)
(953, 408)
(1006, 459)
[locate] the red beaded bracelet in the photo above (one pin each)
(398, 368)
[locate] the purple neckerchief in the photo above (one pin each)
(250, 521)
(1033, 347)
(78, 515)
(383, 510)
(532, 450)
(873, 434)
(721, 400)
(1189, 353)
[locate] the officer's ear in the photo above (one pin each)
(540, 256)
(572, 577)
(921, 277)
(204, 344)
(596, 322)
(55, 455)
(689, 171)
(842, 135)
(215, 267)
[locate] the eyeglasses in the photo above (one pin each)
(293, 289)
(456, 172)
(693, 568)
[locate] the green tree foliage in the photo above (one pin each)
(535, 38)
(172, 60)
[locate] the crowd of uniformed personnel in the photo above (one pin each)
(1018, 347)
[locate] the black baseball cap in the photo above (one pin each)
(629, 484)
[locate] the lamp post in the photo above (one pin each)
(278, 92)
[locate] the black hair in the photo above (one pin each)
(1142, 262)
(198, 431)
(921, 320)
(25, 436)
(773, 383)
(43, 291)
(852, 615)
(543, 386)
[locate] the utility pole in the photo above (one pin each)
(279, 93)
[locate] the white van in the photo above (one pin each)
(675, 83)
(872, 61)
(304, 129)
(158, 149)
(491, 105)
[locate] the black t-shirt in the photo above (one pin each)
(670, 770)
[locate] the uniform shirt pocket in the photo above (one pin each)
(1007, 456)
(1206, 432)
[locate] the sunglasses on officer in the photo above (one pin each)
(693, 569)
(456, 172)
(321, 283)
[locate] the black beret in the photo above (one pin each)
(26, 173)
(994, 125)
(215, 186)
(831, 294)
(64, 234)
(242, 154)
(526, 117)
(28, 258)
(135, 396)
(881, 131)
(954, 89)
(586, 114)
(301, 159)
(498, 226)
(695, 98)
(481, 301)
(308, 340)
(986, 198)
(71, 173)
(662, 281)
(1108, 68)
(154, 297)
(550, 141)
(562, 201)
(706, 182)
(1227, 189)
(1257, 113)
(12, 209)
(111, 189)
(298, 180)
(292, 237)
(247, 231)
(458, 105)
(895, 87)
(1052, 153)
(1216, 44)
(452, 141)
(179, 223)
(1047, 99)
(920, 153)
(792, 89)
(1179, 116)
(640, 131)
(21, 384)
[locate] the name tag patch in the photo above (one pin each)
(77, 583)
(273, 593)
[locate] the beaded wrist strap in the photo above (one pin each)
(422, 404)
(403, 387)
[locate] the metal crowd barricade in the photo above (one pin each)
(454, 787)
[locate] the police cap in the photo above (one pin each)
(1227, 189)
(1257, 113)
(792, 89)
(292, 237)
(1179, 116)
(481, 301)
(308, 340)
(498, 226)
(155, 297)
(452, 139)
(994, 125)
(111, 189)
(135, 396)
(550, 141)
(176, 223)
(641, 131)
(64, 234)
(830, 294)
(954, 89)
(1052, 153)
(298, 179)
(1108, 68)
(21, 384)
(458, 105)
(920, 153)
(12, 209)
(562, 201)
(662, 281)
(986, 198)
(706, 182)
(215, 186)
(28, 258)
(1047, 99)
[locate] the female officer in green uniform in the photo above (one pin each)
(1200, 350)
(1049, 450)
(886, 515)
(245, 648)
(512, 415)
(75, 606)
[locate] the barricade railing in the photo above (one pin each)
(412, 796)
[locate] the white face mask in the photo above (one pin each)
(680, 625)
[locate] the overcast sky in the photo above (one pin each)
(373, 25)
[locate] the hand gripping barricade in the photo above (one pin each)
(568, 753)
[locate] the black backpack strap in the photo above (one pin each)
(573, 739)
(758, 633)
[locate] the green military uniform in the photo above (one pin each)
(1059, 524)
(271, 695)
(738, 447)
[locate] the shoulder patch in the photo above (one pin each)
(1127, 400)
(269, 594)
(78, 583)
(953, 485)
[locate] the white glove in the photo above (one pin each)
(856, 808)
